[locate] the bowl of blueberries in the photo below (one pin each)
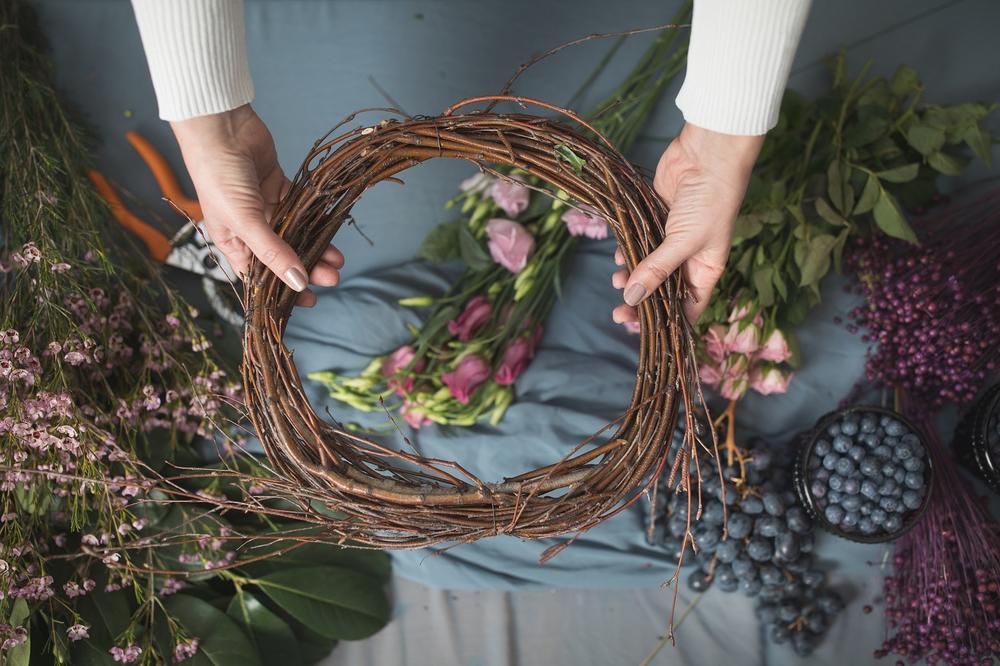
(863, 474)
(977, 439)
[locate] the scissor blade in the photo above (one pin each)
(194, 252)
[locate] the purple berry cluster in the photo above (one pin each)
(932, 312)
(761, 546)
(866, 473)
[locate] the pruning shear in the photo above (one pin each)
(190, 249)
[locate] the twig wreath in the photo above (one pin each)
(400, 499)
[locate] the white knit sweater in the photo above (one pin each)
(738, 63)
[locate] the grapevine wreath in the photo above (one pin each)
(390, 498)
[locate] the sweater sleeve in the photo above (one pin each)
(197, 55)
(739, 58)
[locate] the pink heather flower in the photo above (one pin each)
(775, 348)
(633, 327)
(411, 414)
(510, 195)
(515, 359)
(767, 380)
(395, 363)
(715, 344)
(77, 632)
(465, 379)
(476, 313)
(10, 337)
(185, 650)
(585, 221)
(479, 182)
(510, 243)
(75, 358)
(745, 341)
(127, 655)
(61, 267)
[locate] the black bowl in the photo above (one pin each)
(807, 441)
(971, 443)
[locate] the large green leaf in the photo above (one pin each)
(829, 214)
(816, 261)
(904, 81)
(19, 617)
(275, 641)
(869, 195)
(762, 281)
(333, 602)
(890, 218)
(374, 563)
(902, 174)
(946, 164)
(441, 244)
(220, 640)
(471, 250)
(927, 140)
(107, 614)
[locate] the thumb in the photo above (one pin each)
(250, 225)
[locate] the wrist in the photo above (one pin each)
(211, 127)
(733, 153)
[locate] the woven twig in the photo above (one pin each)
(398, 499)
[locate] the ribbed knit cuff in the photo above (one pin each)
(197, 55)
(739, 58)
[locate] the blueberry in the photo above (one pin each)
(845, 466)
(903, 452)
(894, 428)
(803, 643)
(912, 499)
(882, 452)
(770, 575)
(899, 476)
(780, 634)
(870, 440)
(829, 602)
(760, 460)
(788, 611)
(867, 526)
(835, 497)
(786, 546)
(699, 581)
(724, 576)
(813, 578)
(798, 520)
(744, 567)
(750, 588)
(850, 520)
(878, 516)
(849, 427)
(888, 469)
(890, 504)
(868, 424)
(857, 453)
(751, 505)
(816, 621)
(852, 486)
(729, 495)
(707, 537)
(767, 526)
(677, 526)
(913, 465)
(893, 523)
(727, 550)
(712, 514)
(834, 514)
(914, 480)
(830, 461)
(841, 444)
(739, 525)
(773, 504)
(822, 474)
(888, 487)
(851, 503)
(869, 466)
(760, 549)
(836, 483)
(866, 509)
(821, 448)
(833, 429)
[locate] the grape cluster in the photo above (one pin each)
(866, 474)
(766, 553)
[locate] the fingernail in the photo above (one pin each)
(635, 294)
(295, 278)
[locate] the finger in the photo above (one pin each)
(619, 279)
(324, 275)
(234, 250)
(653, 271)
(619, 257)
(273, 252)
(700, 281)
(333, 256)
(624, 313)
(306, 299)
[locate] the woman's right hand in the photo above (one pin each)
(234, 166)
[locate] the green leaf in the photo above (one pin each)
(868, 196)
(333, 602)
(220, 640)
(946, 164)
(835, 186)
(828, 214)
(471, 251)
(816, 262)
(904, 81)
(779, 284)
(903, 174)
(890, 218)
(926, 140)
(274, 639)
(19, 617)
(747, 226)
(979, 140)
(374, 563)
(441, 244)
(744, 262)
(108, 617)
(565, 153)
(865, 132)
(762, 282)
(313, 647)
(838, 249)
(435, 323)
(539, 204)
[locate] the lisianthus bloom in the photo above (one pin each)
(734, 388)
(775, 348)
(395, 363)
(510, 195)
(585, 221)
(745, 340)
(768, 379)
(477, 183)
(739, 312)
(476, 313)
(710, 374)
(515, 359)
(411, 413)
(510, 243)
(462, 382)
(715, 342)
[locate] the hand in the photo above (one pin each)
(234, 166)
(702, 177)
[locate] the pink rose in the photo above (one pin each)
(476, 313)
(395, 363)
(515, 360)
(714, 342)
(466, 378)
(412, 415)
(710, 374)
(745, 341)
(510, 243)
(585, 221)
(769, 379)
(510, 195)
(775, 348)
